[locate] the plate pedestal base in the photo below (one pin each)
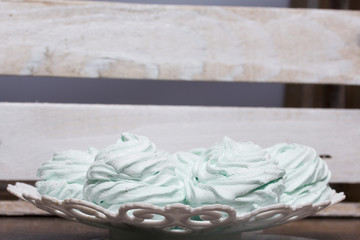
(127, 235)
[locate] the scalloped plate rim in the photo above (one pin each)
(20, 190)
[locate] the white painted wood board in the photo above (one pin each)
(30, 133)
(118, 40)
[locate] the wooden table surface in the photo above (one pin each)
(54, 228)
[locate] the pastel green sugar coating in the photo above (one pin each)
(237, 174)
(307, 175)
(240, 174)
(185, 162)
(64, 175)
(132, 170)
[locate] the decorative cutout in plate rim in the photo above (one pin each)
(175, 218)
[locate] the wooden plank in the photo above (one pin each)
(30, 133)
(320, 229)
(345, 209)
(20, 208)
(118, 40)
(37, 228)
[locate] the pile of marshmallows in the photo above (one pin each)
(239, 174)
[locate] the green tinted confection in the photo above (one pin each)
(237, 174)
(132, 170)
(307, 175)
(242, 175)
(64, 175)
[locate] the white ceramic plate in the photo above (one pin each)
(175, 219)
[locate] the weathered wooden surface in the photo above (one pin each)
(100, 39)
(35, 228)
(320, 229)
(344, 209)
(19, 208)
(30, 133)
(38, 228)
